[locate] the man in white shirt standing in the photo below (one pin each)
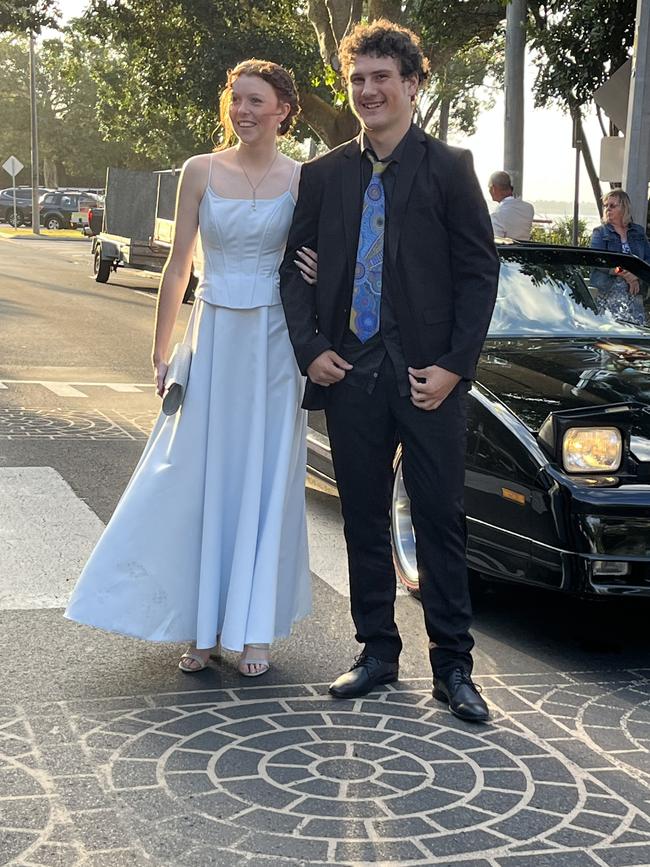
(513, 218)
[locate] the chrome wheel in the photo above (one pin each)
(402, 533)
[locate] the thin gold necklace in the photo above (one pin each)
(261, 180)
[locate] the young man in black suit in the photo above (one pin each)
(389, 338)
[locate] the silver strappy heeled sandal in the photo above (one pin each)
(252, 664)
(192, 655)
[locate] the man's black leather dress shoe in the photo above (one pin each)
(366, 673)
(458, 691)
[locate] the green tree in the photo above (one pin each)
(168, 62)
(460, 38)
(73, 145)
(14, 103)
(20, 16)
(456, 94)
(561, 232)
(73, 150)
(577, 47)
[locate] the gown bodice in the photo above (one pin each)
(242, 249)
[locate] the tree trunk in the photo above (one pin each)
(443, 123)
(50, 173)
(331, 20)
(391, 9)
(332, 125)
(591, 169)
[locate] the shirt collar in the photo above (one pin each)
(394, 157)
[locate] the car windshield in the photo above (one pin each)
(561, 292)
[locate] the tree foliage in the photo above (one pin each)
(561, 232)
(21, 16)
(72, 149)
(579, 45)
(14, 101)
(169, 61)
(457, 93)
(454, 35)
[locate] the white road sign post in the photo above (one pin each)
(13, 166)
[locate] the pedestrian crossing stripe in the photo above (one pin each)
(67, 388)
(63, 389)
(124, 388)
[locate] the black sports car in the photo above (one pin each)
(557, 487)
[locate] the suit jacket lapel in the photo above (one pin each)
(351, 200)
(412, 156)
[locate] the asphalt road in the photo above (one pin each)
(110, 756)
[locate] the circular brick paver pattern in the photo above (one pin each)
(85, 424)
(614, 719)
(393, 779)
(24, 809)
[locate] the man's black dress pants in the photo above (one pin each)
(364, 430)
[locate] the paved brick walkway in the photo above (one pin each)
(274, 775)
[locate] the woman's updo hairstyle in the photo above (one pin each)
(280, 80)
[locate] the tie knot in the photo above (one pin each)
(378, 167)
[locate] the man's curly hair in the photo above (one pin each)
(383, 38)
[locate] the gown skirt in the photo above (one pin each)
(209, 537)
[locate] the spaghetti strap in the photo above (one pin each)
(293, 175)
(209, 172)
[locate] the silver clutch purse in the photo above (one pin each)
(176, 378)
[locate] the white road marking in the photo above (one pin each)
(116, 386)
(327, 554)
(63, 389)
(123, 388)
(46, 535)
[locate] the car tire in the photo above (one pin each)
(53, 222)
(403, 539)
(101, 267)
(20, 217)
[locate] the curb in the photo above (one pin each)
(77, 236)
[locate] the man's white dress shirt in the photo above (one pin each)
(513, 218)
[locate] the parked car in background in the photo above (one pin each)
(23, 204)
(61, 209)
(557, 483)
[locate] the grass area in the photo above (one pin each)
(9, 232)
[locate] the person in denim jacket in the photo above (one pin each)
(619, 290)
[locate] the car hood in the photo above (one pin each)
(536, 376)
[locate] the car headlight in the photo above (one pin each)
(592, 449)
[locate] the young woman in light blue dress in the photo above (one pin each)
(208, 542)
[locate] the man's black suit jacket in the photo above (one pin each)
(439, 248)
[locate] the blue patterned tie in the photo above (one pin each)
(366, 292)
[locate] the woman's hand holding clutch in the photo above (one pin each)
(159, 374)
